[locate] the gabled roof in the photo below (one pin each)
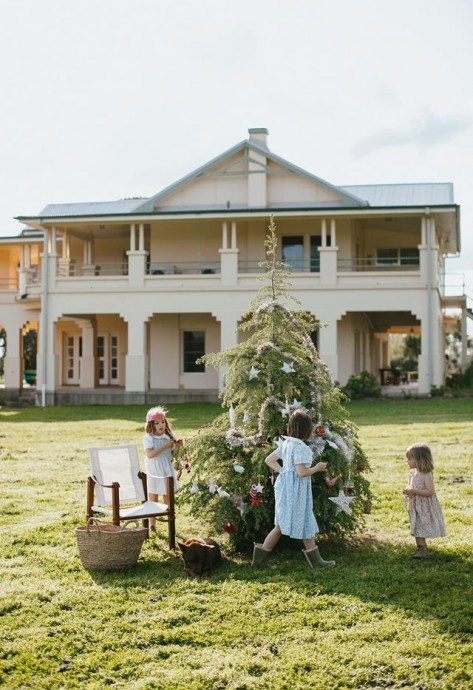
(150, 205)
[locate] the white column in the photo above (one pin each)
(12, 364)
(333, 237)
(137, 360)
(224, 235)
(228, 335)
(324, 232)
(141, 240)
(132, 238)
(88, 361)
(328, 341)
(328, 256)
(229, 257)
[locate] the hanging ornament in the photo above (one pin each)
(186, 464)
(349, 485)
(331, 444)
(229, 528)
(238, 468)
(259, 488)
(238, 502)
(246, 417)
(253, 373)
(319, 431)
(194, 488)
(212, 486)
(286, 410)
(295, 404)
(253, 496)
(287, 368)
(342, 502)
(222, 493)
(360, 468)
(232, 415)
(331, 481)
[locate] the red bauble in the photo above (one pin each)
(229, 527)
(319, 431)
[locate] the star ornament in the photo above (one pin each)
(342, 502)
(253, 374)
(287, 368)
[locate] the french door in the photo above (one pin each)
(107, 353)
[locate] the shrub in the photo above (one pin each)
(363, 385)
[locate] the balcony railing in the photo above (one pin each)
(183, 268)
(299, 266)
(76, 270)
(370, 263)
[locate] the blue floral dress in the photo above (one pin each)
(294, 512)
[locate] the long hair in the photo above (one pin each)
(299, 425)
(150, 429)
(422, 456)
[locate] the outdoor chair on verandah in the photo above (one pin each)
(117, 488)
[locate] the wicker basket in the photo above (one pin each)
(103, 546)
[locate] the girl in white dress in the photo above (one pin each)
(159, 443)
(294, 511)
(425, 512)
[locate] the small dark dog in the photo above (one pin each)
(200, 556)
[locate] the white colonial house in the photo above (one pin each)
(125, 295)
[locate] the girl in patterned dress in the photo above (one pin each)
(159, 443)
(294, 512)
(425, 512)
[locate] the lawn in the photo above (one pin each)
(379, 619)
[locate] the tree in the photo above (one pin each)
(268, 375)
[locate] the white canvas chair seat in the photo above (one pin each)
(144, 510)
(117, 487)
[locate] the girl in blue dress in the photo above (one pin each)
(294, 513)
(159, 443)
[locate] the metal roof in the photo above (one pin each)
(90, 208)
(416, 194)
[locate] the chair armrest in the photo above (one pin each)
(105, 486)
(115, 487)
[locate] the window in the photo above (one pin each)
(408, 256)
(293, 251)
(193, 343)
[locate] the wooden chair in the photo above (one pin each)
(117, 488)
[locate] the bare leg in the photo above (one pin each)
(309, 544)
(272, 539)
(422, 546)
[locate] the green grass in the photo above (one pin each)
(377, 620)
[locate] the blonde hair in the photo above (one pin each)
(422, 456)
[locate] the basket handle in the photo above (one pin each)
(93, 522)
(131, 522)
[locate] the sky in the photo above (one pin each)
(106, 99)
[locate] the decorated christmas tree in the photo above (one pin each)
(274, 370)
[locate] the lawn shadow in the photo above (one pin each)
(382, 575)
